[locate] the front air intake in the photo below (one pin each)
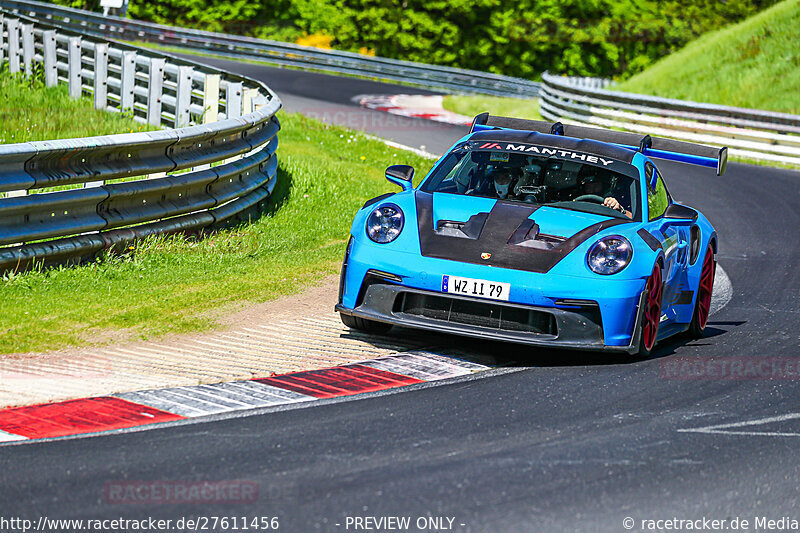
(476, 313)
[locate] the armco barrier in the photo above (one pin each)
(749, 133)
(67, 199)
(431, 76)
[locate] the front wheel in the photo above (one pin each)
(652, 313)
(362, 324)
(702, 305)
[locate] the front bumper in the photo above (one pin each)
(577, 328)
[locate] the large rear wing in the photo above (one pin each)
(695, 154)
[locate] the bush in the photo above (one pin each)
(612, 38)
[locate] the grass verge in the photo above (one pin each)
(754, 64)
(176, 285)
(471, 105)
(29, 111)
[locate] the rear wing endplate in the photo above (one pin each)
(658, 147)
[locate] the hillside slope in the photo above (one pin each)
(755, 64)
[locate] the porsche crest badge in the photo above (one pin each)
(486, 255)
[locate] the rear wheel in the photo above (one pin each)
(652, 313)
(362, 324)
(702, 305)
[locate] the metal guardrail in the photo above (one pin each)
(430, 76)
(749, 133)
(67, 199)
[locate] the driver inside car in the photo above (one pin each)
(593, 185)
(503, 179)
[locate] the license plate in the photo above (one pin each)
(481, 288)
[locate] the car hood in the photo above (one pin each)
(501, 233)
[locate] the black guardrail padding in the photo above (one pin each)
(119, 239)
(69, 161)
(235, 207)
(243, 176)
(134, 202)
(52, 214)
(66, 250)
(12, 170)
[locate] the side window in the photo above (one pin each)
(657, 198)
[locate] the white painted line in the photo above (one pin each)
(10, 437)
(409, 368)
(423, 365)
(729, 428)
(745, 433)
(163, 400)
(453, 359)
(268, 394)
(200, 400)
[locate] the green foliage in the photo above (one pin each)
(753, 64)
(524, 38)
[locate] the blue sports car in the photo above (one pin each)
(537, 233)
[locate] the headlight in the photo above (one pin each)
(609, 255)
(385, 223)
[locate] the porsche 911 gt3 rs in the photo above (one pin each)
(537, 233)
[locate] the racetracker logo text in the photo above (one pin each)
(159, 492)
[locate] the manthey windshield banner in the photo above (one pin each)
(549, 151)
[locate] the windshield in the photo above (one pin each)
(537, 179)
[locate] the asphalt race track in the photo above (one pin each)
(556, 441)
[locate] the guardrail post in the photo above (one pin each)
(155, 90)
(183, 96)
(74, 61)
(100, 76)
(233, 100)
(2, 41)
(128, 81)
(211, 98)
(27, 48)
(13, 46)
(50, 58)
(248, 103)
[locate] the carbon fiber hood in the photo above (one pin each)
(507, 236)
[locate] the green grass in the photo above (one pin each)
(175, 284)
(754, 64)
(495, 105)
(31, 112)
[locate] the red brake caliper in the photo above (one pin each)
(652, 309)
(706, 287)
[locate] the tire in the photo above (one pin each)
(702, 304)
(652, 313)
(362, 324)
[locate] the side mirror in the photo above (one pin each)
(400, 175)
(680, 212)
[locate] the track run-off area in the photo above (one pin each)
(517, 439)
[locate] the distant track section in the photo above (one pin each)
(280, 53)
